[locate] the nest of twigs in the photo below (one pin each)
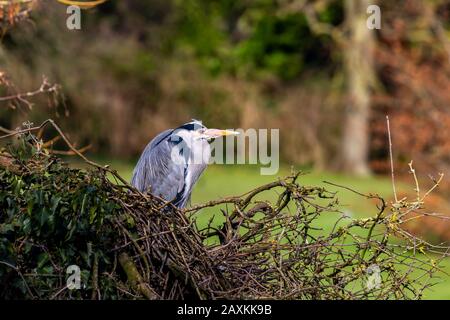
(129, 245)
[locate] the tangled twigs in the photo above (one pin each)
(45, 87)
(282, 240)
(66, 140)
(12, 12)
(381, 208)
(23, 98)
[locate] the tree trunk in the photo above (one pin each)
(358, 60)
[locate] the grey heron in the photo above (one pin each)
(174, 160)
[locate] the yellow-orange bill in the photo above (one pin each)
(215, 133)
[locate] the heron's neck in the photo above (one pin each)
(200, 152)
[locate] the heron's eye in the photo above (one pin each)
(201, 131)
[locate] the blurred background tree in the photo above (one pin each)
(310, 68)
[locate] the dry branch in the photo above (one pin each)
(135, 278)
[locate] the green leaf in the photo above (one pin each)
(43, 258)
(27, 226)
(92, 214)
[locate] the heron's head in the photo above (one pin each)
(196, 131)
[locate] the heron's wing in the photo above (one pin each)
(157, 171)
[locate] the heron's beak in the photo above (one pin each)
(216, 133)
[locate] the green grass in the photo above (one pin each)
(226, 180)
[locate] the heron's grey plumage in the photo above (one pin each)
(167, 173)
